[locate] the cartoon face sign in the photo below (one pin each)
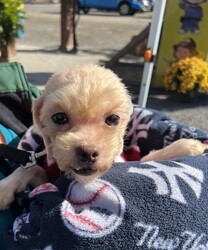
(193, 14)
(185, 48)
(182, 53)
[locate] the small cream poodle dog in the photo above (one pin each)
(82, 116)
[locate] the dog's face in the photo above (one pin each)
(82, 116)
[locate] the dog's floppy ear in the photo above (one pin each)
(36, 110)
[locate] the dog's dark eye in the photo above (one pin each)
(60, 118)
(112, 120)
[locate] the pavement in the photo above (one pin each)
(100, 36)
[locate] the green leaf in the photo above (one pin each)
(11, 13)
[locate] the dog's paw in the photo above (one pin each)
(192, 147)
(7, 193)
(179, 148)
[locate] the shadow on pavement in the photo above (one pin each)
(46, 51)
(160, 99)
(131, 75)
(107, 53)
(39, 79)
(171, 101)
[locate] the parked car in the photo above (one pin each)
(124, 7)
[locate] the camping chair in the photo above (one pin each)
(16, 96)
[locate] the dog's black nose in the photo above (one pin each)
(87, 155)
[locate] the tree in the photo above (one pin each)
(68, 26)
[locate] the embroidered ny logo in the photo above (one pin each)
(139, 129)
(167, 184)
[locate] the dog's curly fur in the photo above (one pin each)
(82, 116)
(97, 107)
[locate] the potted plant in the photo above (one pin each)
(188, 76)
(11, 25)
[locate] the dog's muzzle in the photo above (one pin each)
(87, 157)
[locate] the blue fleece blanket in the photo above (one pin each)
(156, 205)
(153, 205)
